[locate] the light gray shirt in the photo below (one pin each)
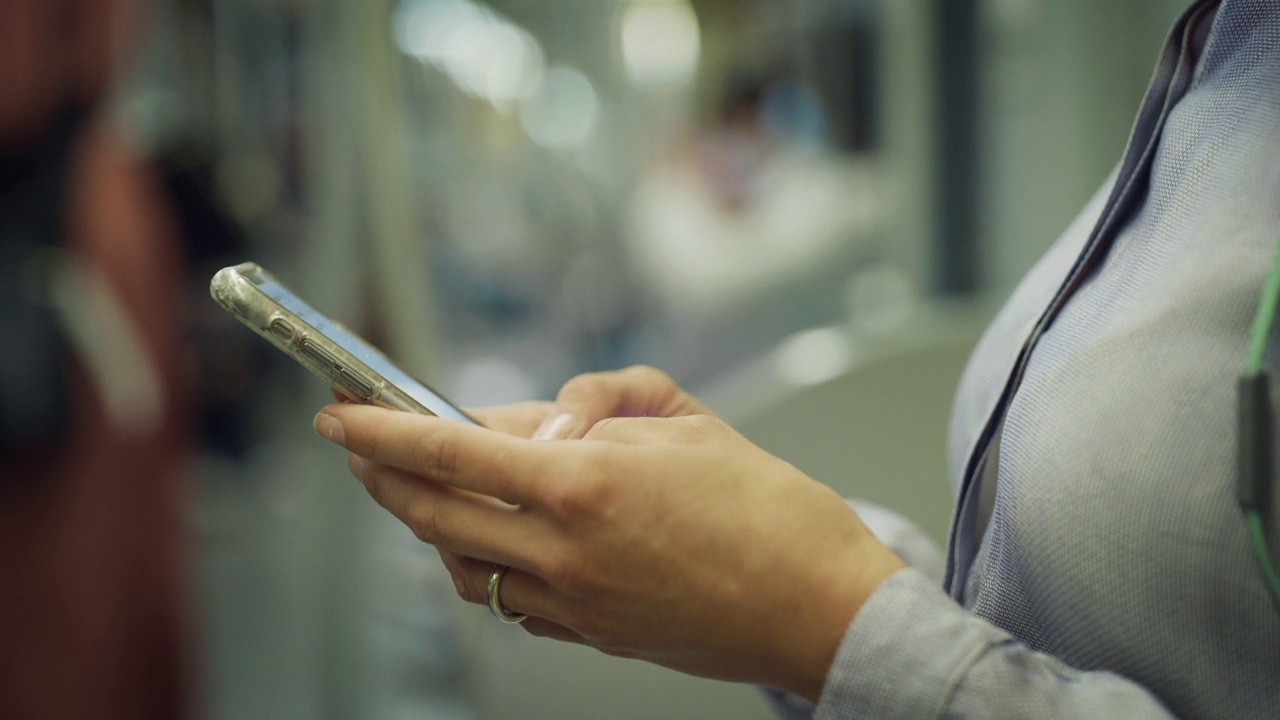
(1111, 574)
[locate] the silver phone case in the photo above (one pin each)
(304, 343)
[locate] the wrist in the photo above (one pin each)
(814, 649)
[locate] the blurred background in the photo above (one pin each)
(803, 210)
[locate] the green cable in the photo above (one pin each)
(1253, 367)
(1264, 558)
(1262, 321)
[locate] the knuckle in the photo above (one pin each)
(707, 423)
(436, 455)
(648, 375)
(621, 429)
(424, 521)
(468, 587)
(585, 385)
(560, 500)
(566, 570)
(467, 577)
(577, 499)
(462, 585)
(605, 428)
(701, 428)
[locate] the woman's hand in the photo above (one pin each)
(671, 540)
(581, 403)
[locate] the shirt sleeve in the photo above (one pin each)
(912, 652)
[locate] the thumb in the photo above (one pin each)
(637, 391)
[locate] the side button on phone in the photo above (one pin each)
(357, 384)
(282, 328)
(318, 354)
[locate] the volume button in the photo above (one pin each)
(354, 382)
(315, 352)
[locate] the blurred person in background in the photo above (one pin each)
(1099, 564)
(749, 228)
(93, 422)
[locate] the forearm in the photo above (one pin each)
(913, 653)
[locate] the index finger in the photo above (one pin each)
(454, 453)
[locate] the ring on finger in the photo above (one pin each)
(495, 602)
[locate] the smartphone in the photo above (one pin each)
(323, 346)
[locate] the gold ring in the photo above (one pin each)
(495, 603)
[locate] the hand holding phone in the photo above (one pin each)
(322, 345)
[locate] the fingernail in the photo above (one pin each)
(329, 427)
(556, 427)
